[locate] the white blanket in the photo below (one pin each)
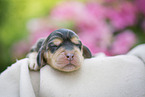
(101, 76)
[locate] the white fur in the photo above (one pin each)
(118, 76)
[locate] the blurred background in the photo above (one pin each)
(109, 26)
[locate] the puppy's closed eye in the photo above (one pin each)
(57, 42)
(75, 40)
(62, 50)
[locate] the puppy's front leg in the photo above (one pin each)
(33, 55)
(32, 61)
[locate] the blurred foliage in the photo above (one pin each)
(14, 15)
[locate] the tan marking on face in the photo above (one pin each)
(57, 42)
(75, 40)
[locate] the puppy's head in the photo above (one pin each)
(63, 51)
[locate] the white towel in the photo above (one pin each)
(117, 76)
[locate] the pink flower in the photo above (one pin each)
(96, 40)
(140, 5)
(123, 42)
(122, 16)
(67, 11)
(90, 42)
(96, 9)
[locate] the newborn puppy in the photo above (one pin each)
(62, 50)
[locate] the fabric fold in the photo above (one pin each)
(26, 88)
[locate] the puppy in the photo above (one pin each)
(62, 50)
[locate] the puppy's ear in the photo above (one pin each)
(86, 52)
(40, 57)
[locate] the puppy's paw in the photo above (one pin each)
(33, 62)
(33, 65)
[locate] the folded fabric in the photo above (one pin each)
(101, 76)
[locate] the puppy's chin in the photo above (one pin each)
(69, 67)
(66, 67)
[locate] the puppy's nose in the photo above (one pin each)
(70, 56)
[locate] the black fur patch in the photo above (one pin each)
(65, 35)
